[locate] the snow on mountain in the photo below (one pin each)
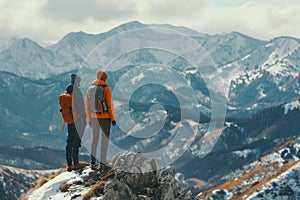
(267, 76)
(51, 189)
(181, 29)
(15, 182)
(71, 51)
(6, 42)
(245, 144)
(254, 72)
(291, 106)
(285, 186)
(73, 48)
(28, 59)
(227, 48)
(272, 176)
(257, 75)
(276, 57)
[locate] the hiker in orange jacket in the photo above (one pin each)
(100, 115)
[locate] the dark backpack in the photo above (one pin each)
(97, 99)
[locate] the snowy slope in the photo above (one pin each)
(272, 176)
(28, 59)
(6, 42)
(269, 75)
(285, 186)
(51, 189)
(15, 182)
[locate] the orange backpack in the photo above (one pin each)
(65, 102)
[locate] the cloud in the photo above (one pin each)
(50, 20)
(175, 9)
(20, 17)
(79, 11)
(231, 2)
(261, 20)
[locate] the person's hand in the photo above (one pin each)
(114, 123)
(90, 124)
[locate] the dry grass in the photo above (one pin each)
(233, 183)
(64, 187)
(98, 188)
(198, 183)
(174, 130)
(267, 131)
(52, 176)
(39, 184)
(106, 176)
(284, 168)
(212, 135)
(247, 191)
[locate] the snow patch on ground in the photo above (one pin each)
(285, 186)
(291, 106)
(243, 154)
(51, 189)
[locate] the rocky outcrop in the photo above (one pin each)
(131, 177)
(137, 178)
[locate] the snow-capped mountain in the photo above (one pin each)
(241, 148)
(27, 58)
(253, 72)
(245, 147)
(258, 77)
(271, 75)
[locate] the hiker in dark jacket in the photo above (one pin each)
(76, 129)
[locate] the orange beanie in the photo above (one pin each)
(101, 75)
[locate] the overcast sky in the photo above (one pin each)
(50, 20)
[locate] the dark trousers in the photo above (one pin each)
(104, 126)
(73, 144)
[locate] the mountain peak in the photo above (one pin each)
(25, 42)
(127, 26)
(6, 42)
(73, 36)
(285, 38)
(182, 29)
(133, 176)
(241, 35)
(133, 24)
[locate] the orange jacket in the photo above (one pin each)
(108, 100)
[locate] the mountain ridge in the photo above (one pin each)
(261, 78)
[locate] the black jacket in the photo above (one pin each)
(79, 104)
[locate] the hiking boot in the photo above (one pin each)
(70, 168)
(93, 165)
(105, 166)
(79, 165)
(93, 159)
